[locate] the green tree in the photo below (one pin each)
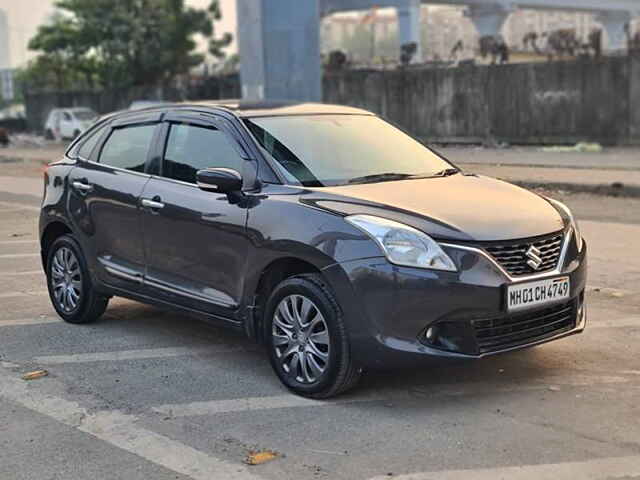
(118, 43)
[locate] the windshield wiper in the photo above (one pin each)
(446, 172)
(384, 177)
(391, 176)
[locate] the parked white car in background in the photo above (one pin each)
(68, 123)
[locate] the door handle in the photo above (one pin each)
(83, 187)
(151, 204)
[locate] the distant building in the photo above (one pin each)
(7, 85)
(539, 21)
(444, 26)
(4, 41)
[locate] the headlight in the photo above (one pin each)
(402, 244)
(572, 219)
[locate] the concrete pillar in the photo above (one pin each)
(279, 48)
(488, 18)
(409, 26)
(613, 24)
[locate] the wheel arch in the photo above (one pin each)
(269, 277)
(54, 230)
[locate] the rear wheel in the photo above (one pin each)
(70, 288)
(48, 134)
(307, 339)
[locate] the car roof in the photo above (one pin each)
(244, 108)
(273, 108)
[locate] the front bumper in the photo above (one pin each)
(389, 309)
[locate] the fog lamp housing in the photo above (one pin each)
(451, 336)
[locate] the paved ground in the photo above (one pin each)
(148, 394)
(530, 166)
(612, 158)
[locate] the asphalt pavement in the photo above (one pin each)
(614, 171)
(144, 393)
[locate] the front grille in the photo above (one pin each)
(512, 256)
(523, 328)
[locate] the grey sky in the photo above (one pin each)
(24, 16)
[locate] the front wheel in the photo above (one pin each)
(70, 288)
(307, 339)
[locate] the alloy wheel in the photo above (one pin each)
(301, 339)
(66, 280)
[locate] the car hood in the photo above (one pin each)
(457, 207)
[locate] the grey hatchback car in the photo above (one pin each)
(323, 232)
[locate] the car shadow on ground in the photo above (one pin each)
(496, 375)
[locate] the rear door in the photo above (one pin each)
(106, 190)
(196, 242)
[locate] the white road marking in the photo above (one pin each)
(30, 293)
(214, 407)
(21, 206)
(19, 255)
(11, 210)
(121, 430)
(137, 354)
(623, 322)
(249, 403)
(595, 469)
(29, 321)
(16, 274)
(17, 242)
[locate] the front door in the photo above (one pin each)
(105, 204)
(195, 241)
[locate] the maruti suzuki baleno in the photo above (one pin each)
(323, 232)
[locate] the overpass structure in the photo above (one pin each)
(280, 48)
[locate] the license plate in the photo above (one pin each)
(531, 294)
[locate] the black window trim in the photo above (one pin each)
(72, 151)
(94, 151)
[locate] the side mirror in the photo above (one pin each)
(219, 180)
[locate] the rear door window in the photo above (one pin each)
(128, 147)
(191, 148)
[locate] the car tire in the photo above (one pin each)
(306, 337)
(76, 134)
(48, 134)
(69, 283)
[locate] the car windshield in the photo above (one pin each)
(85, 114)
(328, 150)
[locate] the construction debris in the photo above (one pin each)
(35, 374)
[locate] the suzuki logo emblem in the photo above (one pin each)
(534, 255)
